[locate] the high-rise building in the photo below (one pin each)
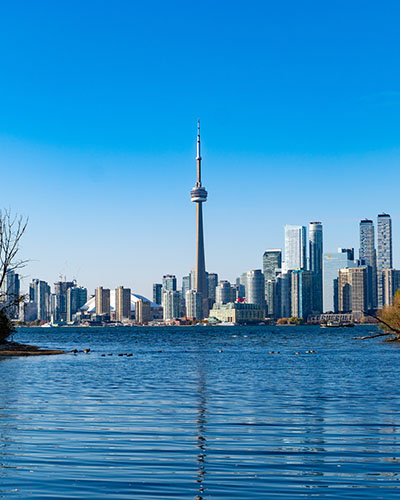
(295, 247)
(59, 302)
(391, 283)
(10, 294)
(212, 282)
(333, 261)
(284, 295)
(272, 260)
(76, 298)
(384, 258)
(157, 293)
(302, 288)
(122, 303)
(223, 293)
(194, 305)
(316, 253)
(199, 196)
(171, 304)
(368, 258)
(142, 311)
(185, 285)
(353, 290)
(255, 293)
(102, 301)
(169, 282)
(39, 293)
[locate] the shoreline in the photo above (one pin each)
(16, 349)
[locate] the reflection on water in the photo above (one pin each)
(201, 413)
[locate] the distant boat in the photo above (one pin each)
(337, 324)
(226, 323)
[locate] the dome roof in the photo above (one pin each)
(90, 306)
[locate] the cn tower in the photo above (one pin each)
(199, 196)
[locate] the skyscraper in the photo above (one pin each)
(212, 282)
(10, 293)
(223, 292)
(316, 252)
(391, 283)
(194, 305)
(122, 303)
(384, 260)
(272, 260)
(352, 290)
(368, 258)
(334, 261)
(255, 293)
(102, 301)
(171, 302)
(39, 293)
(76, 298)
(295, 247)
(169, 282)
(302, 289)
(157, 293)
(199, 196)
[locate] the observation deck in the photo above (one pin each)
(198, 194)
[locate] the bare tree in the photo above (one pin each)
(12, 228)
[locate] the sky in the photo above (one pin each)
(299, 105)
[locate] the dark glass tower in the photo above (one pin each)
(368, 258)
(316, 256)
(199, 196)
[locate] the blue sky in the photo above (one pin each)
(300, 110)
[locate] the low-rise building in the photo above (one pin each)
(238, 312)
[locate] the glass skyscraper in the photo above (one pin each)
(316, 253)
(334, 261)
(295, 247)
(272, 260)
(368, 258)
(385, 259)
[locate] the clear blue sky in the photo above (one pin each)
(300, 110)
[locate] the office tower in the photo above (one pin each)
(391, 283)
(199, 196)
(272, 260)
(102, 301)
(171, 302)
(169, 282)
(255, 288)
(315, 254)
(192, 275)
(157, 293)
(384, 258)
(223, 293)
(185, 285)
(212, 282)
(122, 303)
(194, 305)
(284, 295)
(39, 293)
(142, 311)
(334, 261)
(59, 300)
(368, 258)
(236, 293)
(10, 293)
(295, 248)
(76, 298)
(302, 288)
(353, 290)
(242, 282)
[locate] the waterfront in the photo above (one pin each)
(222, 412)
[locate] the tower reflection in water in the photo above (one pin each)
(201, 424)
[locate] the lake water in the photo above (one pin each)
(204, 413)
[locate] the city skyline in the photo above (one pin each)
(97, 127)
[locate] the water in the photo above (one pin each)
(201, 413)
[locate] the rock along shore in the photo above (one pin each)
(15, 349)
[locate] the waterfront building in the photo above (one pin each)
(384, 258)
(284, 295)
(185, 285)
(10, 293)
(171, 304)
(333, 261)
(122, 303)
(194, 305)
(295, 247)
(39, 293)
(223, 293)
(169, 282)
(368, 258)
(353, 290)
(212, 282)
(272, 260)
(238, 312)
(157, 293)
(59, 300)
(391, 283)
(102, 300)
(143, 312)
(199, 196)
(302, 293)
(76, 298)
(90, 307)
(255, 293)
(241, 281)
(316, 259)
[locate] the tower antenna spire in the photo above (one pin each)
(198, 157)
